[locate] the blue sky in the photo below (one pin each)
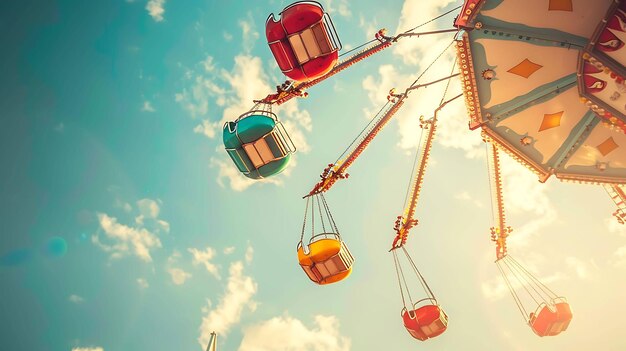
(126, 227)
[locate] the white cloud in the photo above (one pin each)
(227, 36)
(452, 128)
(237, 181)
(235, 90)
(196, 100)
(208, 64)
(164, 225)
(582, 269)
(147, 107)
(155, 9)
(248, 82)
(341, 8)
(178, 275)
(296, 122)
(60, 127)
(76, 299)
(423, 49)
(143, 283)
(288, 333)
(524, 194)
(620, 257)
(239, 292)
(204, 258)
(229, 250)
(207, 128)
(453, 131)
(87, 349)
(615, 227)
(150, 209)
(123, 205)
(173, 257)
(369, 25)
(465, 196)
(248, 32)
(125, 239)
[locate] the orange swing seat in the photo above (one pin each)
(327, 259)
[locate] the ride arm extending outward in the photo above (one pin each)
(290, 89)
(618, 195)
(337, 171)
(407, 221)
(500, 231)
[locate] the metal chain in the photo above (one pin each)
(544, 288)
(397, 264)
(319, 208)
(306, 210)
(419, 275)
(312, 217)
(330, 214)
(408, 292)
(512, 291)
(519, 280)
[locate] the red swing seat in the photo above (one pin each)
(303, 41)
(425, 322)
(550, 320)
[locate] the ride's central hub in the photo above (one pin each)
(601, 70)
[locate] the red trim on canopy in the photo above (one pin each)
(468, 12)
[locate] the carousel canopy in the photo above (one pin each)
(545, 81)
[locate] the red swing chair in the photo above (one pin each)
(303, 41)
(553, 313)
(423, 319)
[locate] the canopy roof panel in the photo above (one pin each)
(539, 85)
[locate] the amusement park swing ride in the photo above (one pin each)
(542, 87)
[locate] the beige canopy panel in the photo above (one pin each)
(544, 79)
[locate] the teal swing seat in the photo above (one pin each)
(258, 144)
